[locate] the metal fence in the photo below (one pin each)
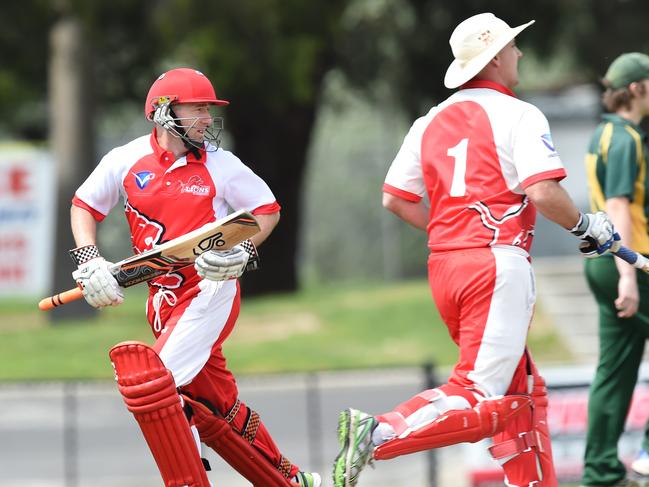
(78, 434)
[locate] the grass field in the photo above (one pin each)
(320, 328)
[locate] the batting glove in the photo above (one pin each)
(591, 249)
(216, 265)
(93, 276)
(598, 234)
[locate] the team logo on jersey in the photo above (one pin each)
(503, 222)
(142, 178)
(195, 186)
(547, 141)
(145, 231)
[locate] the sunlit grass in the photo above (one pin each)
(320, 328)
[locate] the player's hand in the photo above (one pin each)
(598, 233)
(590, 249)
(628, 296)
(218, 265)
(98, 285)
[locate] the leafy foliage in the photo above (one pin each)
(271, 58)
(267, 54)
(23, 77)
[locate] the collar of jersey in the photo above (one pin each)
(164, 155)
(615, 118)
(492, 85)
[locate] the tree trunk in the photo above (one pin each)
(275, 148)
(72, 142)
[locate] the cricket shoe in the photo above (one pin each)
(355, 439)
(641, 464)
(308, 479)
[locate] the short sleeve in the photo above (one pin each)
(245, 190)
(100, 192)
(534, 154)
(404, 178)
(621, 166)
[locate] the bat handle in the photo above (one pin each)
(633, 258)
(59, 299)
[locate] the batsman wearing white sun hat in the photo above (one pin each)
(474, 43)
(472, 173)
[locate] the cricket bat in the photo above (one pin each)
(170, 256)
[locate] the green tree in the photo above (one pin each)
(401, 48)
(23, 75)
(268, 57)
(405, 42)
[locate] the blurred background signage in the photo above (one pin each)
(26, 219)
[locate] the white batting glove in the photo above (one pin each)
(98, 285)
(217, 265)
(598, 233)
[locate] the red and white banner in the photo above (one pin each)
(27, 205)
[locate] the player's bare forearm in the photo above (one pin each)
(618, 210)
(416, 214)
(84, 226)
(553, 202)
(266, 223)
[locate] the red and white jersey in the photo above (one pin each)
(473, 155)
(165, 198)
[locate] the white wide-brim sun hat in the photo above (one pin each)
(475, 42)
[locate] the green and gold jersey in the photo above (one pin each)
(616, 165)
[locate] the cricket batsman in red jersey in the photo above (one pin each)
(171, 182)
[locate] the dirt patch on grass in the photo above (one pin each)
(22, 321)
(394, 294)
(275, 327)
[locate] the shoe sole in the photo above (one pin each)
(344, 422)
(352, 418)
(348, 422)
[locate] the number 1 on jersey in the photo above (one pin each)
(458, 185)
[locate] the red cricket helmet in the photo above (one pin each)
(180, 85)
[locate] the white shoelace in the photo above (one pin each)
(162, 295)
(170, 298)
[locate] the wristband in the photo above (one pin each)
(582, 225)
(81, 255)
(253, 259)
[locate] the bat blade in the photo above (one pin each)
(182, 251)
(175, 254)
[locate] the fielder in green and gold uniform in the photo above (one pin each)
(618, 181)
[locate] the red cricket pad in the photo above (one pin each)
(216, 433)
(150, 394)
(525, 446)
(456, 426)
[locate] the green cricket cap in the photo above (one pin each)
(627, 68)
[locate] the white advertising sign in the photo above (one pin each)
(27, 213)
